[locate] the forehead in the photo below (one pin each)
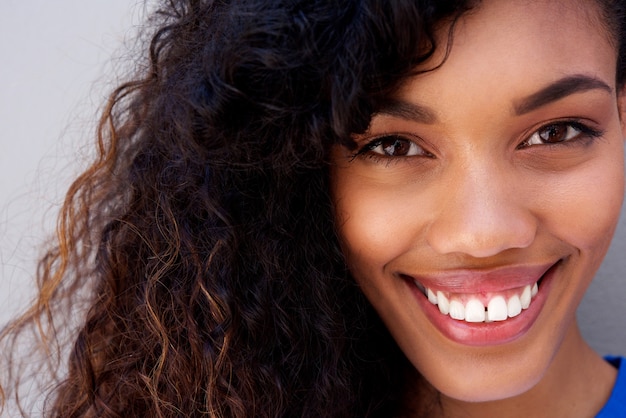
(544, 15)
(511, 47)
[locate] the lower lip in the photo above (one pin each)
(481, 333)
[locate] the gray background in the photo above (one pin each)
(55, 70)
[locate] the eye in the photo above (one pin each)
(395, 146)
(560, 132)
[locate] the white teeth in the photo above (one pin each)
(497, 309)
(525, 297)
(442, 302)
(514, 306)
(474, 311)
(432, 297)
(457, 310)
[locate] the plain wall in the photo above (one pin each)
(54, 74)
(55, 66)
(55, 71)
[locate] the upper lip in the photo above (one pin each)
(483, 280)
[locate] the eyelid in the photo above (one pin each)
(586, 132)
(370, 142)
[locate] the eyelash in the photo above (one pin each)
(368, 149)
(583, 136)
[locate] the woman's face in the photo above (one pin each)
(500, 171)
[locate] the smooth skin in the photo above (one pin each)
(508, 155)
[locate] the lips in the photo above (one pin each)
(484, 307)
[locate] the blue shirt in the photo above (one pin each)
(616, 405)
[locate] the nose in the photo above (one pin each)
(482, 212)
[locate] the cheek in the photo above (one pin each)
(584, 210)
(374, 225)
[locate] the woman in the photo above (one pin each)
(459, 164)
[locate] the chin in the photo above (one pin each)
(488, 389)
(492, 374)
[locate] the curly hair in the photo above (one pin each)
(204, 230)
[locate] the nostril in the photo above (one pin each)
(481, 233)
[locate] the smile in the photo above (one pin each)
(489, 307)
(480, 307)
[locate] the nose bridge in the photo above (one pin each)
(482, 211)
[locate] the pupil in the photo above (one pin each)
(396, 147)
(553, 133)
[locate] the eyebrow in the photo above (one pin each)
(555, 91)
(407, 110)
(559, 89)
